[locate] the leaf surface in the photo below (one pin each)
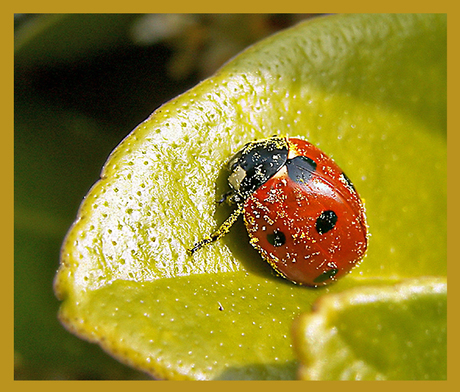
(369, 90)
(401, 333)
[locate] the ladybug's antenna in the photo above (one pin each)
(221, 231)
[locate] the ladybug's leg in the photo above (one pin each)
(225, 197)
(221, 231)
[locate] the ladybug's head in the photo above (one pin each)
(254, 164)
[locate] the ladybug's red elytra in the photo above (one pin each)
(301, 211)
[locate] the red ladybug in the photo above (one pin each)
(301, 211)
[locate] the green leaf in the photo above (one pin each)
(370, 90)
(393, 333)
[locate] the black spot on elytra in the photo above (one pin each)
(277, 238)
(326, 221)
(348, 181)
(326, 275)
(300, 169)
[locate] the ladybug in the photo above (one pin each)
(301, 211)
